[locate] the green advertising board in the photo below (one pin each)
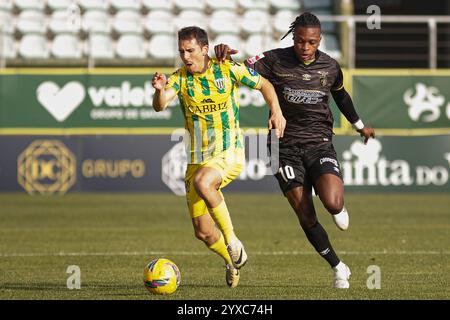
(81, 100)
(117, 101)
(100, 101)
(395, 163)
(405, 99)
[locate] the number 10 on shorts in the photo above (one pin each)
(287, 172)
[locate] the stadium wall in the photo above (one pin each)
(66, 130)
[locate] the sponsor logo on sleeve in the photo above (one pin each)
(253, 60)
(252, 72)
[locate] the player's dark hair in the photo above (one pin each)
(306, 19)
(194, 32)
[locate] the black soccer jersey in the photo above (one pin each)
(303, 92)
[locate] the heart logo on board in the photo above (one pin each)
(60, 102)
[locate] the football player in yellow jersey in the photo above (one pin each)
(208, 97)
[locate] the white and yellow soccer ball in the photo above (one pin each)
(162, 276)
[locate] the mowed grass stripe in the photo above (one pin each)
(204, 253)
(111, 237)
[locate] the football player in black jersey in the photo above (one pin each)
(304, 79)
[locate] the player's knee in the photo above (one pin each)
(334, 205)
(203, 184)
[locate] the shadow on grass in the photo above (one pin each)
(260, 286)
(189, 290)
(34, 286)
(103, 286)
(88, 291)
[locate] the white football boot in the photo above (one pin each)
(232, 276)
(237, 253)
(341, 276)
(341, 219)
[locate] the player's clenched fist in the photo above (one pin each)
(159, 81)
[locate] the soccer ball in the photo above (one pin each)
(162, 276)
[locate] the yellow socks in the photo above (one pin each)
(220, 248)
(222, 218)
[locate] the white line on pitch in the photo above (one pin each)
(197, 253)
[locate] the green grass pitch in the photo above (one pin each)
(111, 237)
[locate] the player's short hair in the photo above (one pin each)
(194, 32)
(306, 19)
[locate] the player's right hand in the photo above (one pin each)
(366, 133)
(223, 52)
(159, 81)
(277, 122)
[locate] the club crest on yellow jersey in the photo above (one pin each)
(220, 83)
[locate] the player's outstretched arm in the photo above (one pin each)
(162, 96)
(345, 105)
(276, 120)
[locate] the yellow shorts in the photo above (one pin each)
(228, 164)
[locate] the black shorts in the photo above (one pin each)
(300, 167)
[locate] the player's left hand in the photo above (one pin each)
(159, 81)
(367, 133)
(277, 122)
(223, 52)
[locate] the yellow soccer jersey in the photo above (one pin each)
(209, 102)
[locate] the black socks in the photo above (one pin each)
(318, 237)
